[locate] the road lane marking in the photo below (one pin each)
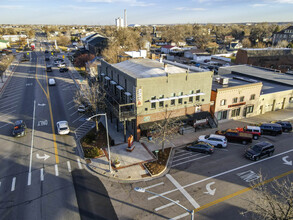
(69, 166)
(13, 184)
(180, 216)
(184, 158)
(198, 158)
(32, 146)
(7, 113)
(242, 191)
(183, 191)
(158, 184)
(71, 107)
(69, 102)
(166, 206)
(223, 173)
(78, 118)
(79, 163)
(74, 113)
(56, 170)
(42, 174)
(182, 154)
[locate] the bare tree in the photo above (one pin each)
(272, 201)
(91, 96)
(282, 44)
(164, 130)
(246, 43)
(81, 60)
(63, 40)
(4, 63)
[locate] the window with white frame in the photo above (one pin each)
(223, 102)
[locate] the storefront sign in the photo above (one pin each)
(146, 118)
(237, 104)
(139, 96)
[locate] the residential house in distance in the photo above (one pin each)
(197, 55)
(286, 34)
(13, 38)
(274, 58)
(243, 91)
(4, 44)
(169, 48)
(95, 43)
(151, 90)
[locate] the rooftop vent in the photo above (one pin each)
(224, 81)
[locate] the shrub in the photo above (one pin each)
(91, 152)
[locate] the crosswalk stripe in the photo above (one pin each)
(13, 184)
(69, 166)
(79, 163)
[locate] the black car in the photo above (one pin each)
(46, 51)
(271, 129)
(19, 128)
(63, 69)
(47, 59)
(260, 150)
(201, 147)
(286, 125)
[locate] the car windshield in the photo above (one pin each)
(256, 148)
(63, 128)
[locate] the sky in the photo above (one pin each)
(104, 12)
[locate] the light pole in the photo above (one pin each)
(139, 189)
(104, 114)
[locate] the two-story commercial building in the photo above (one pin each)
(148, 90)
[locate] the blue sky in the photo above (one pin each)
(104, 12)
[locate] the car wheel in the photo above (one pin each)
(270, 154)
(206, 152)
(219, 146)
(255, 137)
(256, 158)
(275, 133)
(244, 142)
(286, 130)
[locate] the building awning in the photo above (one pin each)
(107, 78)
(127, 93)
(113, 82)
(119, 87)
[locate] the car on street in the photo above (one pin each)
(83, 108)
(201, 147)
(47, 59)
(271, 129)
(286, 125)
(19, 129)
(214, 139)
(62, 127)
(260, 150)
(61, 65)
(233, 135)
(52, 82)
(63, 69)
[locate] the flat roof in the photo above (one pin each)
(259, 73)
(146, 68)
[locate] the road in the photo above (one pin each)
(41, 176)
(216, 186)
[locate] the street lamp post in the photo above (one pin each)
(107, 133)
(139, 189)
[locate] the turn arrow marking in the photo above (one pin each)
(45, 157)
(286, 161)
(209, 190)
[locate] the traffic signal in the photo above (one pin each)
(27, 53)
(52, 53)
(63, 56)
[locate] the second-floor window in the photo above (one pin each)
(223, 102)
(235, 100)
(241, 98)
(252, 97)
(161, 103)
(153, 104)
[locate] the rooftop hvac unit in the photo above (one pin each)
(224, 81)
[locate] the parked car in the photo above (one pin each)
(213, 139)
(271, 129)
(63, 69)
(286, 125)
(61, 65)
(260, 150)
(49, 69)
(201, 147)
(52, 82)
(83, 108)
(234, 135)
(19, 129)
(254, 130)
(62, 127)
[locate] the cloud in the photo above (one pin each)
(189, 9)
(258, 5)
(280, 1)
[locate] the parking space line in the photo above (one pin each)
(8, 105)
(181, 216)
(71, 107)
(77, 118)
(166, 206)
(73, 113)
(223, 173)
(8, 108)
(173, 165)
(69, 102)
(186, 157)
(7, 113)
(182, 154)
(183, 191)
(158, 184)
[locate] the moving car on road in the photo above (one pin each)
(201, 147)
(52, 82)
(214, 139)
(19, 129)
(260, 150)
(62, 127)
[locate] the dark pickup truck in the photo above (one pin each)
(233, 135)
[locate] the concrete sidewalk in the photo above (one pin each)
(132, 169)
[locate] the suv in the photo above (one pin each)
(260, 150)
(286, 125)
(271, 129)
(213, 139)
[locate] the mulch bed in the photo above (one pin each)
(159, 165)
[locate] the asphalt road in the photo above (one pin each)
(37, 170)
(216, 186)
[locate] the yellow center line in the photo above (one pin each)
(47, 94)
(242, 191)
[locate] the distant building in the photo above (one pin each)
(286, 34)
(119, 22)
(275, 58)
(4, 44)
(13, 38)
